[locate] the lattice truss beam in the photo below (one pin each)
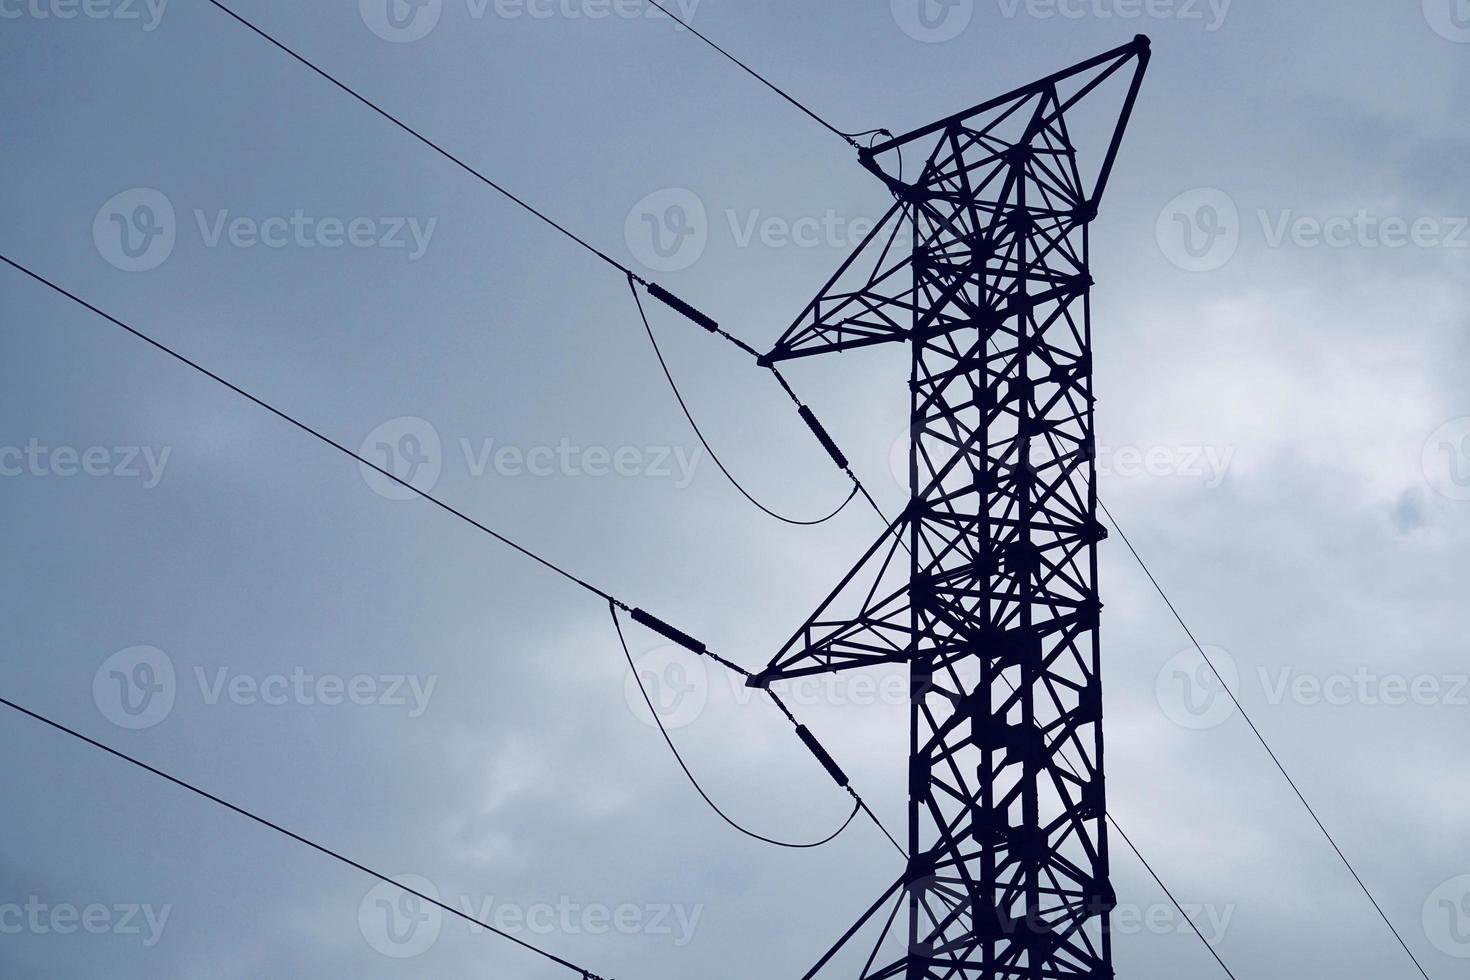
(986, 585)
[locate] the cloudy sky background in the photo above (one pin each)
(1321, 384)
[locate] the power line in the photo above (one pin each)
(336, 855)
(807, 415)
(673, 385)
(849, 138)
(429, 143)
(639, 616)
(831, 446)
(633, 278)
(654, 289)
(315, 433)
(1113, 822)
(1260, 737)
(617, 624)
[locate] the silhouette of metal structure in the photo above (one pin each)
(986, 585)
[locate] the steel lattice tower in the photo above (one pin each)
(986, 585)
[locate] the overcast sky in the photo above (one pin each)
(1281, 348)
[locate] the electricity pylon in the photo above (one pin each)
(986, 585)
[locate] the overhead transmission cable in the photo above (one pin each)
(849, 138)
(1260, 737)
(322, 848)
(663, 730)
(654, 289)
(467, 168)
(639, 616)
(678, 396)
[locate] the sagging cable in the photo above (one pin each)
(670, 632)
(709, 324)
